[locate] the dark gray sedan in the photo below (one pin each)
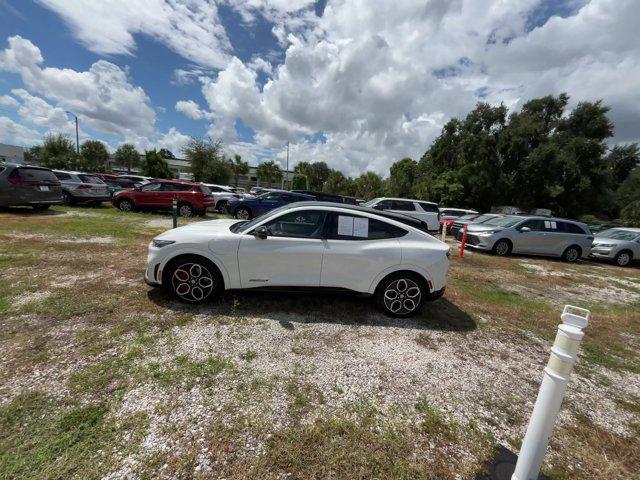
(621, 245)
(28, 185)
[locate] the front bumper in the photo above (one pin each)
(604, 253)
(151, 283)
(480, 242)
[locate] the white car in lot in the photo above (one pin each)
(222, 196)
(309, 245)
(428, 212)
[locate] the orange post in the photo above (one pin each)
(464, 240)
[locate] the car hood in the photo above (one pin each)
(609, 241)
(128, 191)
(477, 228)
(208, 228)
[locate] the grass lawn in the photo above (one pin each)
(104, 377)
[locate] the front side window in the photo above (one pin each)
(298, 224)
(533, 225)
(271, 196)
(353, 227)
(151, 187)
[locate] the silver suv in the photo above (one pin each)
(548, 236)
(622, 245)
(78, 187)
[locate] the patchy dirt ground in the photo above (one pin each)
(135, 385)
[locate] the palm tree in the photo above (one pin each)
(238, 167)
(269, 171)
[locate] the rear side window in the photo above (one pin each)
(176, 187)
(90, 179)
(36, 175)
(551, 226)
(429, 207)
(350, 227)
(403, 206)
(61, 176)
(568, 227)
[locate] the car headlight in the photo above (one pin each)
(604, 245)
(162, 243)
(488, 232)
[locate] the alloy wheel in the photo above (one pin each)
(571, 255)
(502, 248)
(402, 296)
(125, 205)
(242, 213)
(192, 282)
(185, 211)
(623, 259)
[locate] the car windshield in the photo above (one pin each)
(371, 202)
(503, 221)
(245, 227)
(483, 218)
(615, 234)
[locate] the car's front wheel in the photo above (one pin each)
(623, 258)
(243, 213)
(125, 205)
(193, 279)
(401, 294)
(502, 248)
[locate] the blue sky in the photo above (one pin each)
(355, 83)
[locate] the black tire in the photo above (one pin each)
(571, 253)
(41, 208)
(192, 279)
(221, 206)
(186, 210)
(624, 258)
(243, 213)
(502, 247)
(67, 199)
(401, 294)
(125, 205)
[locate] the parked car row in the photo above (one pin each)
(547, 236)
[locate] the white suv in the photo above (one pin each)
(310, 245)
(428, 212)
(222, 196)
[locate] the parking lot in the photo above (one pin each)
(136, 385)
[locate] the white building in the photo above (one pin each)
(11, 153)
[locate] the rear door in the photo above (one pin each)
(357, 249)
(290, 256)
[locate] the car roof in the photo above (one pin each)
(407, 200)
(627, 229)
(399, 217)
(24, 165)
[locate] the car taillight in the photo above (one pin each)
(19, 181)
(83, 187)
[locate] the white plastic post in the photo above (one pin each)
(564, 354)
(444, 233)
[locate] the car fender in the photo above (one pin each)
(397, 268)
(203, 253)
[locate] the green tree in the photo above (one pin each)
(402, 177)
(622, 160)
(340, 184)
(127, 155)
(629, 190)
(299, 182)
(238, 167)
(369, 185)
(269, 171)
(166, 153)
(155, 166)
(208, 163)
(631, 214)
(56, 151)
(94, 156)
(317, 176)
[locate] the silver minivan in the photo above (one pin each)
(547, 236)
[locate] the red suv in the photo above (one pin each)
(193, 198)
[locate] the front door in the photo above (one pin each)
(290, 256)
(150, 195)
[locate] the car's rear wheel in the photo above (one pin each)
(623, 258)
(502, 248)
(243, 213)
(67, 199)
(193, 279)
(185, 210)
(125, 205)
(571, 254)
(401, 294)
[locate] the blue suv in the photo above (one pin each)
(248, 208)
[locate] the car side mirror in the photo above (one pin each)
(525, 229)
(261, 232)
